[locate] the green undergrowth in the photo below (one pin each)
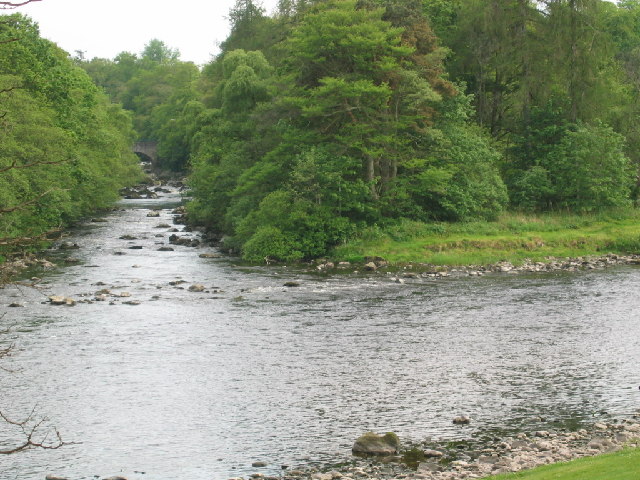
(513, 237)
(623, 465)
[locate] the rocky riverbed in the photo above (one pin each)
(468, 460)
(399, 273)
(478, 459)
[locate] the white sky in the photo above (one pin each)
(104, 28)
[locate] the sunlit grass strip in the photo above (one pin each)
(512, 237)
(623, 465)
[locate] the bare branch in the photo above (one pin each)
(35, 434)
(11, 5)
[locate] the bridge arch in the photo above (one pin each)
(147, 149)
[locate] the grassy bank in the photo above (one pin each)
(623, 465)
(512, 237)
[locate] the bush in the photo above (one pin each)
(269, 243)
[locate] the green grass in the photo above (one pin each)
(623, 465)
(513, 237)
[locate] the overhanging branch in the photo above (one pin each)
(10, 5)
(34, 436)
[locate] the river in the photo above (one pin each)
(198, 385)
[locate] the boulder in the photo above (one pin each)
(373, 444)
(60, 300)
(186, 242)
(372, 267)
(196, 288)
(462, 420)
(209, 255)
(433, 453)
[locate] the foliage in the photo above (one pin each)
(583, 168)
(337, 114)
(64, 149)
(159, 90)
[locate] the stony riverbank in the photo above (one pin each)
(399, 272)
(478, 459)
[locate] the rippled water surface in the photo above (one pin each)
(197, 386)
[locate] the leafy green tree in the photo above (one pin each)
(590, 169)
(156, 52)
(64, 149)
(251, 29)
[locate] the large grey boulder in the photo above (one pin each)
(373, 444)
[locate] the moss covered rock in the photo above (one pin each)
(373, 444)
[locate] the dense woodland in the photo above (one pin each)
(328, 116)
(65, 148)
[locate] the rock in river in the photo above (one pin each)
(60, 300)
(462, 420)
(373, 444)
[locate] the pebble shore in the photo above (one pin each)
(512, 454)
(423, 270)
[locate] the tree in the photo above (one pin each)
(250, 27)
(156, 52)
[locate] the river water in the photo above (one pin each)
(197, 386)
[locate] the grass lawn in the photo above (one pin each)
(512, 237)
(623, 465)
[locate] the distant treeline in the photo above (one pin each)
(331, 115)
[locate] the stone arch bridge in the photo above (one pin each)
(147, 149)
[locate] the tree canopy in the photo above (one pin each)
(334, 114)
(65, 149)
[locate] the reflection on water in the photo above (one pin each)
(200, 385)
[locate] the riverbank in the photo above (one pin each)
(485, 458)
(513, 238)
(14, 263)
